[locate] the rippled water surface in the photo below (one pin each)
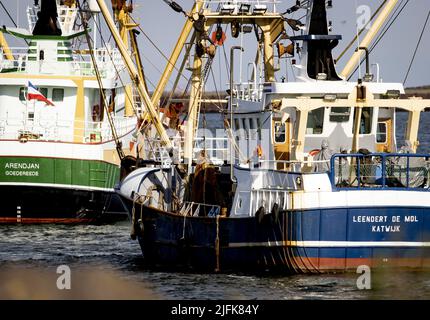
(109, 252)
(106, 263)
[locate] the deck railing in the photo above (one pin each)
(62, 130)
(109, 63)
(216, 149)
(237, 7)
(294, 166)
(380, 171)
(199, 209)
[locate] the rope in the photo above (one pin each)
(183, 227)
(416, 48)
(133, 219)
(217, 245)
(102, 93)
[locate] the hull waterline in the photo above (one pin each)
(310, 241)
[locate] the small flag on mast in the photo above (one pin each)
(34, 94)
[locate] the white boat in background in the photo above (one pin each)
(59, 163)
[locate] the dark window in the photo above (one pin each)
(381, 134)
(44, 91)
(236, 124)
(279, 132)
(251, 124)
(57, 94)
(22, 93)
(340, 114)
(259, 128)
(366, 120)
(315, 121)
(245, 128)
(244, 123)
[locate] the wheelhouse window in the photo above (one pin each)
(340, 114)
(279, 129)
(23, 94)
(245, 128)
(315, 121)
(57, 94)
(366, 120)
(251, 124)
(236, 124)
(381, 134)
(259, 128)
(252, 130)
(43, 91)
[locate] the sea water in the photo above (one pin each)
(104, 263)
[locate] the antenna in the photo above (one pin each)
(358, 44)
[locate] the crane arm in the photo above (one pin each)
(134, 75)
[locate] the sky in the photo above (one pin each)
(162, 25)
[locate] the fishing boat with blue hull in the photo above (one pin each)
(317, 181)
(65, 109)
(316, 223)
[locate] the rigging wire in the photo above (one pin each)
(416, 48)
(157, 48)
(386, 29)
(10, 17)
(102, 93)
(208, 63)
(175, 85)
(394, 16)
(361, 31)
(227, 126)
(8, 14)
(104, 44)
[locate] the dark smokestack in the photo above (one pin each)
(46, 24)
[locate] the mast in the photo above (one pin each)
(271, 25)
(188, 26)
(5, 47)
(231, 104)
(134, 75)
(195, 94)
(122, 15)
(371, 34)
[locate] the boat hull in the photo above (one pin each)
(58, 190)
(29, 204)
(320, 240)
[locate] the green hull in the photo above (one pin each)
(75, 173)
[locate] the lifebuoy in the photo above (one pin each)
(96, 113)
(314, 152)
(218, 36)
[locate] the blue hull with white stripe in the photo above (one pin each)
(295, 241)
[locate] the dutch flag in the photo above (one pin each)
(33, 93)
